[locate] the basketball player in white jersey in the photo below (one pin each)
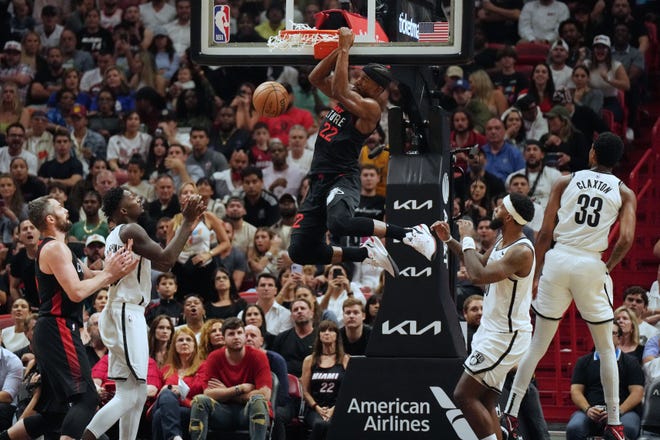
(122, 324)
(505, 330)
(582, 208)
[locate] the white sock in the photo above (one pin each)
(490, 437)
(609, 373)
(127, 397)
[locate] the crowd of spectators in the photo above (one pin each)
(99, 94)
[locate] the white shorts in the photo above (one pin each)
(494, 355)
(570, 274)
(124, 331)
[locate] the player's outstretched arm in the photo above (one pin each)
(163, 259)
(55, 258)
(320, 76)
(627, 219)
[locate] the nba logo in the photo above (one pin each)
(221, 24)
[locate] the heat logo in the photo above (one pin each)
(221, 24)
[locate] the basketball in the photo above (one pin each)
(270, 99)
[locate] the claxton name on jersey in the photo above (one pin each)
(593, 184)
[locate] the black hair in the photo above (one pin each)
(232, 323)
(94, 193)
(637, 290)
(608, 148)
(136, 159)
(523, 205)
(249, 171)
(112, 200)
(507, 51)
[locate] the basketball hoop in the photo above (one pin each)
(324, 41)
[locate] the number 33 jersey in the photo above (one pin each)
(589, 207)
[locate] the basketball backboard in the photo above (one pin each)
(395, 32)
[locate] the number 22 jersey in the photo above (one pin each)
(589, 207)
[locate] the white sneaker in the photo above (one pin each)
(379, 257)
(421, 239)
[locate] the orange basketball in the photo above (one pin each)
(270, 99)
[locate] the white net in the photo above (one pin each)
(299, 36)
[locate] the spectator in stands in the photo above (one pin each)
(485, 92)
(196, 264)
(229, 182)
(261, 206)
(339, 289)
(322, 376)
(477, 170)
(473, 309)
(92, 37)
(477, 204)
(99, 300)
(156, 12)
(211, 338)
(569, 144)
(295, 343)
(11, 375)
(463, 96)
(87, 144)
(486, 235)
(243, 231)
(13, 337)
(583, 94)
(254, 315)
(31, 54)
(621, 13)
(507, 79)
(12, 70)
(165, 304)
(277, 316)
(541, 177)
(227, 302)
(178, 167)
(587, 394)
(12, 208)
(73, 58)
(607, 75)
(156, 157)
(193, 314)
(166, 203)
(92, 81)
(64, 168)
(237, 385)
(194, 110)
(288, 280)
(21, 20)
(143, 74)
(636, 299)
(355, 333)
(95, 348)
(371, 309)
(30, 187)
(14, 148)
(94, 251)
(161, 332)
(541, 86)
(49, 30)
(259, 154)
(227, 137)
(561, 72)
(135, 182)
(233, 259)
(170, 413)
(92, 223)
(629, 340)
(535, 124)
(167, 60)
(39, 141)
(105, 120)
(49, 80)
(304, 291)
(380, 160)
(298, 154)
(122, 147)
(280, 177)
(514, 128)
(463, 135)
(570, 31)
(209, 160)
(179, 29)
(110, 14)
(633, 62)
(539, 20)
(22, 282)
(502, 158)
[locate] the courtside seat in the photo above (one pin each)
(651, 411)
(296, 428)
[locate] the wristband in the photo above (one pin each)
(468, 243)
(315, 405)
(587, 410)
(447, 240)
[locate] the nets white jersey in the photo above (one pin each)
(134, 288)
(507, 302)
(588, 208)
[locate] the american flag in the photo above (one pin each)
(434, 32)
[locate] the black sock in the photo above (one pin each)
(355, 254)
(394, 231)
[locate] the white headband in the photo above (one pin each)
(509, 207)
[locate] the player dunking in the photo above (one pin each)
(122, 324)
(68, 397)
(582, 208)
(505, 330)
(335, 174)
